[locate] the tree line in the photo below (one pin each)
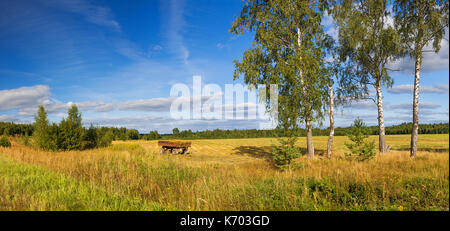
(69, 134)
(12, 129)
(401, 129)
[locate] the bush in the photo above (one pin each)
(4, 142)
(90, 138)
(283, 154)
(360, 149)
(132, 134)
(106, 139)
(153, 135)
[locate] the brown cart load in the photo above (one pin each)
(175, 147)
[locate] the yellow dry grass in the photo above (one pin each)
(236, 174)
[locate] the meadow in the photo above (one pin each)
(225, 174)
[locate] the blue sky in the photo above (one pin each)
(117, 60)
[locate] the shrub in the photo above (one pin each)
(153, 135)
(283, 154)
(106, 139)
(132, 134)
(360, 149)
(90, 138)
(4, 142)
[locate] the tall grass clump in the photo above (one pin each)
(25, 140)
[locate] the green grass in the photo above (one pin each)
(335, 194)
(27, 187)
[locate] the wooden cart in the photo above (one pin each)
(175, 147)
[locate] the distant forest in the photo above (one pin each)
(133, 134)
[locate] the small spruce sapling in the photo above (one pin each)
(360, 148)
(283, 154)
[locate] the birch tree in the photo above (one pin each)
(369, 43)
(288, 50)
(420, 23)
(343, 89)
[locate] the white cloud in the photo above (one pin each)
(431, 60)
(157, 48)
(7, 118)
(104, 108)
(146, 105)
(345, 118)
(330, 26)
(166, 124)
(94, 14)
(24, 97)
(426, 115)
(158, 104)
(408, 106)
(409, 88)
(362, 105)
(174, 10)
(128, 49)
(220, 45)
(58, 107)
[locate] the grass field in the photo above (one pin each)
(225, 174)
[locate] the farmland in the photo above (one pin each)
(225, 174)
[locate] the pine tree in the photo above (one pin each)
(285, 152)
(90, 138)
(40, 134)
(71, 130)
(360, 149)
(54, 139)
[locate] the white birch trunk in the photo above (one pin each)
(415, 125)
(330, 138)
(309, 140)
(381, 137)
